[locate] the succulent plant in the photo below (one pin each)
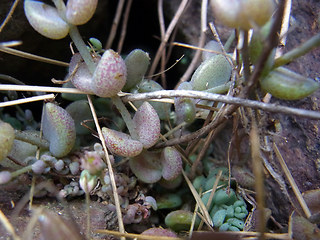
(6, 139)
(81, 77)
(159, 232)
(45, 19)
(288, 85)
(79, 12)
(163, 109)
(147, 124)
(169, 201)
(185, 108)
(171, 163)
(243, 14)
(180, 220)
(121, 143)
(213, 72)
(147, 166)
(110, 75)
(137, 63)
(87, 181)
(213, 46)
(58, 129)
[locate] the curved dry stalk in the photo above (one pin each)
(201, 43)
(115, 24)
(27, 100)
(9, 15)
(110, 169)
(34, 57)
(164, 41)
(124, 26)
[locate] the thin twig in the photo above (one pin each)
(124, 26)
(7, 225)
(115, 24)
(298, 51)
(162, 33)
(258, 174)
(164, 41)
(28, 88)
(292, 182)
(225, 99)
(22, 54)
(27, 100)
(110, 169)
(9, 15)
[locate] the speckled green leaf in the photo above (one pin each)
(121, 144)
(147, 125)
(58, 129)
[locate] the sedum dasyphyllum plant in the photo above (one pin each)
(132, 137)
(103, 76)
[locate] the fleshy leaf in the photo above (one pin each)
(147, 125)
(121, 144)
(213, 72)
(80, 11)
(185, 108)
(81, 78)
(147, 167)
(58, 129)
(6, 139)
(180, 220)
(171, 163)
(80, 111)
(45, 19)
(157, 231)
(110, 75)
(163, 109)
(288, 85)
(137, 63)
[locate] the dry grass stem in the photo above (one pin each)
(259, 176)
(213, 190)
(9, 15)
(110, 169)
(27, 100)
(115, 24)
(124, 26)
(8, 226)
(28, 88)
(34, 57)
(292, 182)
(196, 196)
(164, 41)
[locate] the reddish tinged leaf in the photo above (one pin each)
(157, 231)
(147, 124)
(110, 75)
(45, 19)
(171, 163)
(80, 11)
(147, 167)
(81, 78)
(121, 144)
(58, 129)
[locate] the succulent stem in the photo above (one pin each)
(82, 48)
(126, 117)
(298, 51)
(21, 171)
(31, 138)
